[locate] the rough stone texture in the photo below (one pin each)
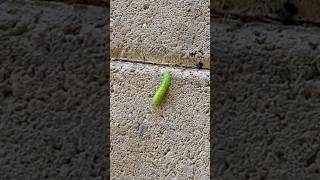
(284, 10)
(161, 32)
(266, 101)
(53, 121)
(170, 141)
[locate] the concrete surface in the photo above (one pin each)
(266, 101)
(168, 142)
(161, 32)
(53, 121)
(284, 10)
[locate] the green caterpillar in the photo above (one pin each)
(162, 90)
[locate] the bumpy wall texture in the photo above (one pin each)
(165, 142)
(266, 101)
(171, 141)
(161, 32)
(52, 91)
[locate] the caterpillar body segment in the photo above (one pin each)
(163, 88)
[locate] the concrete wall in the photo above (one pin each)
(266, 84)
(266, 101)
(171, 141)
(161, 32)
(53, 121)
(165, 142)
(52, 93)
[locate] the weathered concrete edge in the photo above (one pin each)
(203, 74)
(142, 56)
